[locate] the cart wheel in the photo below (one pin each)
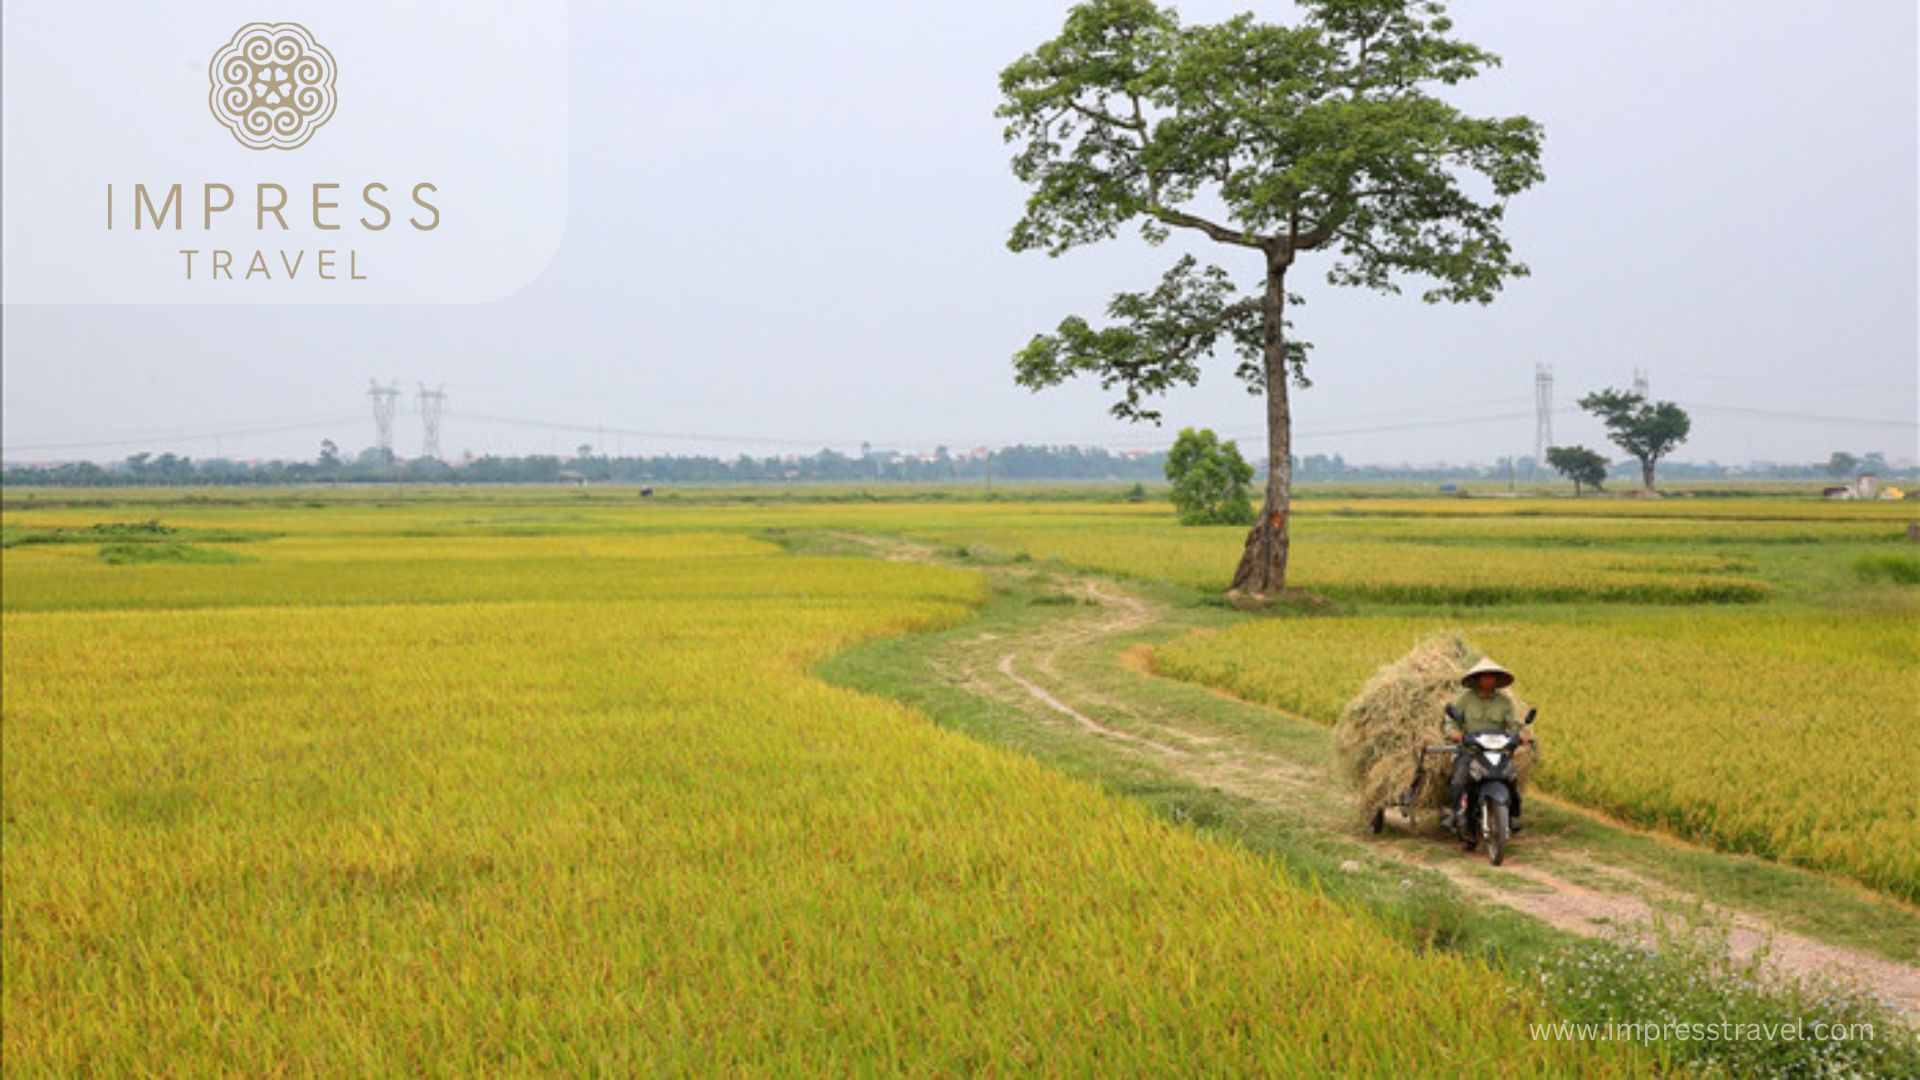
(1378, 823)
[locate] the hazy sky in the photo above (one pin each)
(787, 224)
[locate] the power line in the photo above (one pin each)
(1412, 425)
(1749, 380)
(678, 436)
(1470, 421)
(1803, 417)
(1416, 425)
(1451, 421)
(1452, 418)
(202, 436)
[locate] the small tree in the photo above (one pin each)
(1325, 139)
(1209, 480)
(1842, 465)
(1578, 464)
(1647, 430)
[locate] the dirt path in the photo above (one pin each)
(1033, 672)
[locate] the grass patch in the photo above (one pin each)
(1055, 599)
(1899, 569)
(1685, 981)
(151, 531)
(130, 554)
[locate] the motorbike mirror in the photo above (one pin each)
(1454, 714)
(1531, 713)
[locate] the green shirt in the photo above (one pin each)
(1484, 713)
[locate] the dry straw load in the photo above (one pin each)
(1399, 711)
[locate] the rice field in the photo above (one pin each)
(383, 800)
(1781, 507)
(532, 781)
(1392, 573)
(1793, 735)
(1590, 531)
(1766, 650)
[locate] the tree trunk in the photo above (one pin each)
(1263, 567)
(1646, 474)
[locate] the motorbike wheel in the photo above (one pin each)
(1497, 830)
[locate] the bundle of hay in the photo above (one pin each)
(1400, 710)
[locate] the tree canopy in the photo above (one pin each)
(1647, 430)
(1209, 480)
(1577, 463)
(1272, 141)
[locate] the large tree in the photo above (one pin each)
(1648, 430)
(1275, 141)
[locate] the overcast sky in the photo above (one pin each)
(787, 226)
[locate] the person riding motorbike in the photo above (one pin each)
(1484, 705)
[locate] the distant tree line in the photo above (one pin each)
(588, 466)
(1009, 463)
(1320, 468)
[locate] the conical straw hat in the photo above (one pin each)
(1486, 664)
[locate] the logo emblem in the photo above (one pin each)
(272, 85)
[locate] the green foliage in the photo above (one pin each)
(1648, 430)
(1323, 136)
(127, 554)
(1158, 343)
(1578, 464)
(125, 532)
(1673, 991)
(1209, 480)
(1899, 569)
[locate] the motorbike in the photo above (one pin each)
(1484, 814)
